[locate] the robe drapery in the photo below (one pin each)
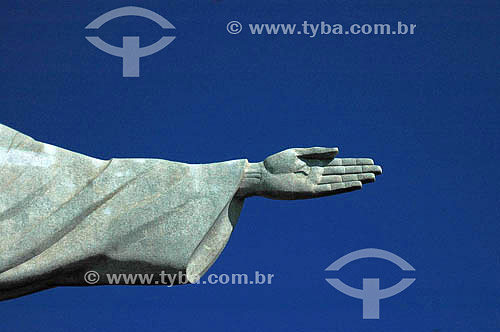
(63, 214)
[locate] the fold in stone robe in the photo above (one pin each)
(63, 214)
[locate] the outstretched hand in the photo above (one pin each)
(301, 173)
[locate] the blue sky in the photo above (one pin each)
(424, 106)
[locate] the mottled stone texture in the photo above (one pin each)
(63, 213)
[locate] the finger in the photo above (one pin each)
(375, 169)
(330, 170)
(333, 188)
(317, 153)
(330, 179)
(363, 177)
(350, 162)
(339, 170)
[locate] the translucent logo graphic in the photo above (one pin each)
(130, 51)
(371, 294)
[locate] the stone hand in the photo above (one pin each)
(301, 173)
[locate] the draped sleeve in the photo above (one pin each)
(64, 213)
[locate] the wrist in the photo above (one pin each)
(252, 180)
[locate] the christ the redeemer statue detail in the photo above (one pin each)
(63, 213)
